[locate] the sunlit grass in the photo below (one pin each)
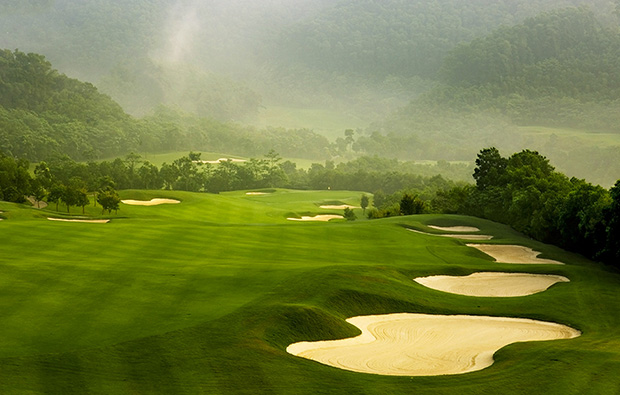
(205, 295)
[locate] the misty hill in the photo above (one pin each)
(44, 114)
(403, 37)
(364, 55)
(558, 70)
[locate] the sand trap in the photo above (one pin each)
(220, 160)
(255, 193)
(486, 284)
(426, 345)
(336, 207)
(513, 254)
(88, 221)
(322, 218)
(455, 228)
(463, 237)
(152, 202)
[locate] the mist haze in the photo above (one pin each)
(376, 67)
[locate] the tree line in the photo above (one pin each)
(525, 192)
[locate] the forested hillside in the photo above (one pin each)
(404, 38)
(44, 114)
(558, 69)
(367, 56)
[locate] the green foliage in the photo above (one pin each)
(526, 192)
(108, 199)
(15, 181)
(349, 215)
(364, 202)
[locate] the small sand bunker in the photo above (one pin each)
(152, 202)
(492, 284)
(458, 236)
(322, 218)
(220, 160)
(513, 254)
(255, 193)
(455, 228)
(427, 345)
(337, 207)
(88, 221)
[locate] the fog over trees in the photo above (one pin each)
(426, 80)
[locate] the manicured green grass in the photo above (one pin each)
(205, 295)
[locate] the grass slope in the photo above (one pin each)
(204, 296)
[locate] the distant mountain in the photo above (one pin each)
(406, 37)
(356, 52)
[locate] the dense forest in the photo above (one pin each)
(44, 113)
(557, 70)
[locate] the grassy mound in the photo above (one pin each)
(204, 297)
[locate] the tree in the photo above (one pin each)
(611, 252)
(56, 193)
(364, 203)
(38, 192)
(407, 205)
(490, 167)
(349, 214)
(109, 200)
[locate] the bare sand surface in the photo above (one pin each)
(426, 345)
(35, 204)
(323, 218)
(513, 254)
(220, 160)
(255, 193)
(88, 221)
(337, 207)
(152, 202)
(455, 228)
(457, 236)
(492, 284)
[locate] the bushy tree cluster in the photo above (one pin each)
(525, 192)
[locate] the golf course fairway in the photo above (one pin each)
(206, 295)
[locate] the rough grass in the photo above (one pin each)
(204, 296)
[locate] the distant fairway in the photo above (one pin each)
(204, 296)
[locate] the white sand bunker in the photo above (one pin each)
(152, 202)
(427, 345)
(487, 284)
(322, 218)
(255, 193)
(88, 221)
(455, 228)
(220, 160)
(513, 254)
(337, 207)
(457, 236)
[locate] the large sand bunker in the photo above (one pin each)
(455, 228)
(426, 345)
(513, 254)
(321, 218)
(152, 202)
(492, 284)
(337, 207)
(88, 221)
(457, 236)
